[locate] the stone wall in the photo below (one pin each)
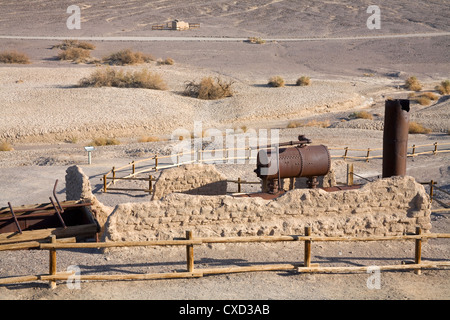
(199, 179)
(389, 206)
(78, 187)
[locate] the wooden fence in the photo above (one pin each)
(189, 242)
(152, 164)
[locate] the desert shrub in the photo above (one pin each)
(117, 78)
(67, 44)
(361, 115)
(5, 146)
(276, 81)
(423, 101)
(75, 54)
(149, 139)
(413, 84)
(167, 61)
(126, 57)
(303, 81)
(294, 124)
(14, 57)
(312, 123)
(415, 128)
(444, 87)
(256, 40)
(104, 142)
(430, 95)
(209, 89)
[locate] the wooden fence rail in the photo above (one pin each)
(152, 164)
(189, 241)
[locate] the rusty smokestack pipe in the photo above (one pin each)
(395, 137)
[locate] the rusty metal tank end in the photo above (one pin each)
(395, 137)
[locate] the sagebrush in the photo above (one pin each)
(209, 89)
(14, 57)
(128, 57)
(117, 78)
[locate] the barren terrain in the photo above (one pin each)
(48, 120)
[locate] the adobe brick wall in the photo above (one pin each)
(389, 206)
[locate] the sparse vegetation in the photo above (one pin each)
(256, 40)
(14, 57)
(149, 139)
(444, 87)
(209, 89)
(117, 78)
(361, 115)
(413, 84)
(127, 57)
(77, 55)
(423, 101)
(303, 81)
(276, 82)
(5, 146)
(416, 128)
(167, 61)
(67, 44)
(104, 142)
(312, 123)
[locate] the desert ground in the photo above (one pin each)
(48, 119)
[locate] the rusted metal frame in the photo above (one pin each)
(14, 217)
(58, 213)
(56, 198)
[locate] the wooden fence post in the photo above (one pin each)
(239, 185)
(133, 167)
(52, 264)
(105, 184)
(418, 250)
(156, 162)
(150, 184)
(189, 253)
(431, 190)
(307, 262)
(413, 150)
(345, 153)
(350, 174)
(368, 152)
(114, 175)
(435, 148)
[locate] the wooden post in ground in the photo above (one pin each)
(105, 183)
(133, 167)
(52, 264)
(418, 251)
(150, 184)
(114, 175)
(349, 174)
(307, 248)
(431, 190)
(239, 185)
(189, 253)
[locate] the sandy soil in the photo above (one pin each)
(49, 120)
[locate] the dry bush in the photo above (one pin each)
(423, 101)
(209, 89)
(303, 81)
(105, 142)
(67, 44)
(149, 139)
(14, 57)
(256, 40)
(117, 78)
(415, 128)
(413, 84)
(430, 95)
(167, 61)
(444, 87)
(315, 123)
(361, 115)
(294, 124)
(276, 81)
(75, 54)
(5, 146)
(126, 57)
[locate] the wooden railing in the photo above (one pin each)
(153, 163)
(189, 241)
